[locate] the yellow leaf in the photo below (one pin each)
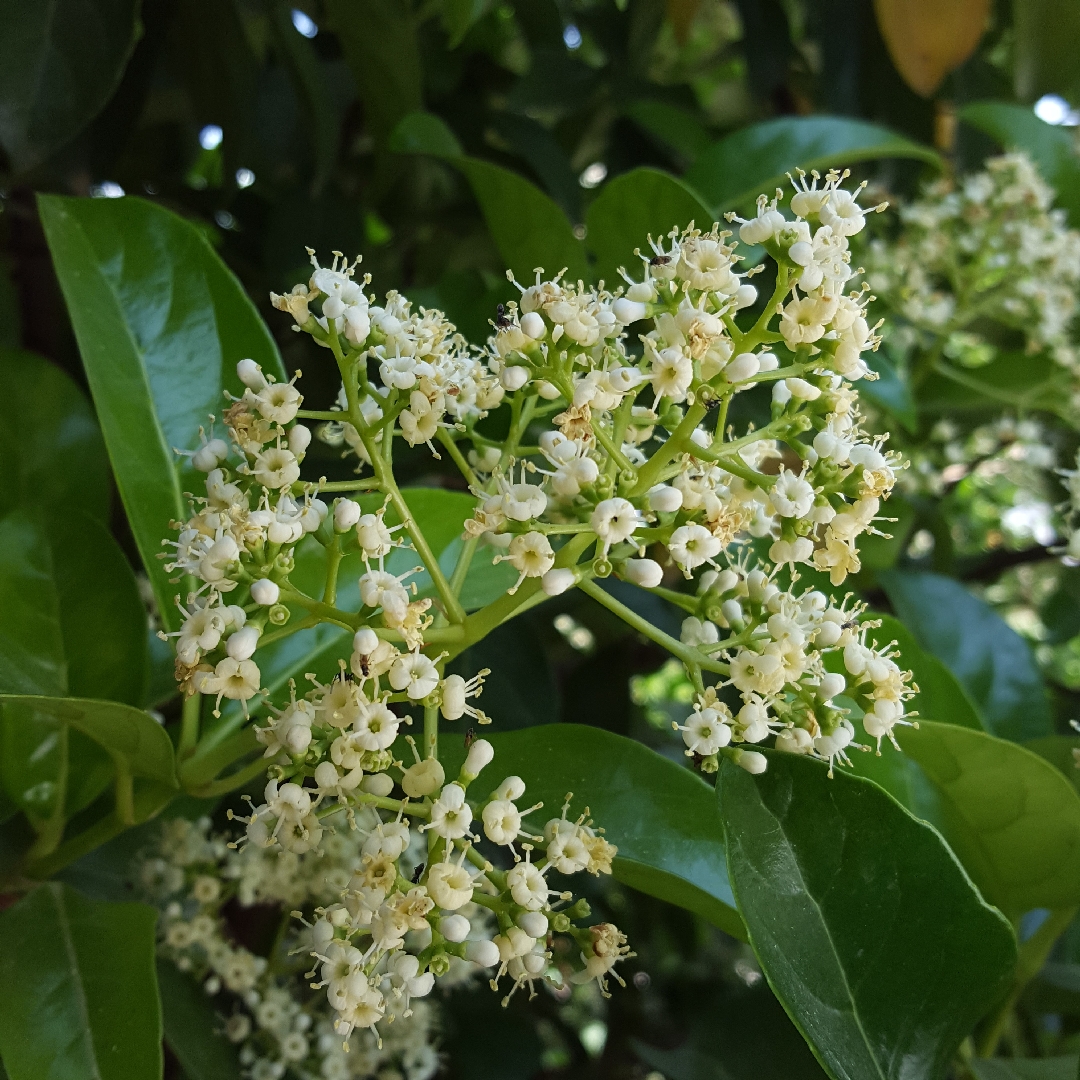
(929, 38)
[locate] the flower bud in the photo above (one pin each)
(250, 374)
(803, 390)
(243, 643)
(750, 760)
(532, 325)
(265, 592)
(767, 361)
(744, 366)
(665, 499)
(644, 572)
(454, 927)
(548, 391)
(482, 953)
(557, 581)
(365, 641)
(423, 778)
(514, 378)
(745, 295)
(629, 311)
(346, 514)
(480, 754)
(534, 923)
(379, 784)
(299, 438)
(831, 685)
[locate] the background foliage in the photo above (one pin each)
(448, 141)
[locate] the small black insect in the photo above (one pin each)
(502, 321)
(470, 737)
(418, 873)
(660, 260)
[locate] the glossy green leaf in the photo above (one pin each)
(71, 619)
(1011, 817)
(992, 662)
(660, 815)
(633, 206)
(193, 1027)
(60, 61)
(161, 324)
(731, 173)
(50, 442)
(890, 389)
(940, 697)
(80, 993)
(528, 227)
(126, 733)
(867, 928)
(1052, 148)
(1053, 1068)
(882, 552)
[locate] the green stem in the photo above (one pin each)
(333, 561)
(689, 656)
(365, 483)
(125, 791)
(189, 726)
(458, 458)
(231, 782)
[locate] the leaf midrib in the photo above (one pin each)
(79, 991)
(828, 934)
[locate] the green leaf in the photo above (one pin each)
(870, 933)
(1055, 1068)
(50, 442)
(1011, 817)
(1052, 148)
(631, 207)
(161, 324)
(882, 552)
(126, 733)
(193, 1027)
(458, 17)
(380, 45)
(60, 61)
(81, 997)
(660, 815)
(528, 227)
(940, 696)
(71, 618)
(731, 173)
(991, 661)
(678, 129)
(890, 390)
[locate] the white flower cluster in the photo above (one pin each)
(987, 247)
(776, 651)
(267, 1010)
(389, 922)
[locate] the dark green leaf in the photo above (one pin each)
(1060, 612)
(882, 552)
(539, 147)
(754, 160)
(527, 226)
(660, 815)
(60, 61)
(51, 446)
(1055, 1068)
(71, 619)
(629, 209)
(459, 15)
(161, 324)
(1052, 148)
(673, 127)
(520, 691)
(745, 1035)
(867, 928)
(1011, 817)
(991, 661)
(193, 1027)
(80, 997)
(378, 39)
